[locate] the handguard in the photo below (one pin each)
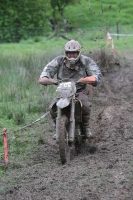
(87, 80)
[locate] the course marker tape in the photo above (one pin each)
(24, 127)
(116, 34)
(110, 39)
(5, 145)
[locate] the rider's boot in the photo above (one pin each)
(86, 127)
(86, 130)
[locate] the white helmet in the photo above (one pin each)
(73, 46)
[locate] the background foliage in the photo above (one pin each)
(22, 19)
(28, 18)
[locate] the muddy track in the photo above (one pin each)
(104, 168)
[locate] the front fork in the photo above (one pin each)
(57, 122)
(71, 121)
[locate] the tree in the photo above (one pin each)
(22, 19)
(58, 20)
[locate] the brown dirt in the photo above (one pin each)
(104, 168)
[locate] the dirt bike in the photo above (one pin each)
(69, 121)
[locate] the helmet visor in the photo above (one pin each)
(72, 56)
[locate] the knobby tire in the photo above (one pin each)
(63, 148)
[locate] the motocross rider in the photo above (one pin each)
(73, 66)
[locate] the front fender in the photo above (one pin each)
(63, 102)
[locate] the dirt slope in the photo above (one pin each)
(103, 170)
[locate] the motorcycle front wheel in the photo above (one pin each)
(64, 147)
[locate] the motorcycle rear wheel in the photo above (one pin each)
(64, 148)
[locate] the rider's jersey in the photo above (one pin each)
(84, 67)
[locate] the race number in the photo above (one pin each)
(67, 84)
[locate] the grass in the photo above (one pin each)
(28, 47)
(22, 99)
(90, 39)
(86, 13)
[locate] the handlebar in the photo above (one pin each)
(64, 80)
(50, 81)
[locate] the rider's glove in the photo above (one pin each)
(47, 81)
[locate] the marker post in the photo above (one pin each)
(5, 145)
